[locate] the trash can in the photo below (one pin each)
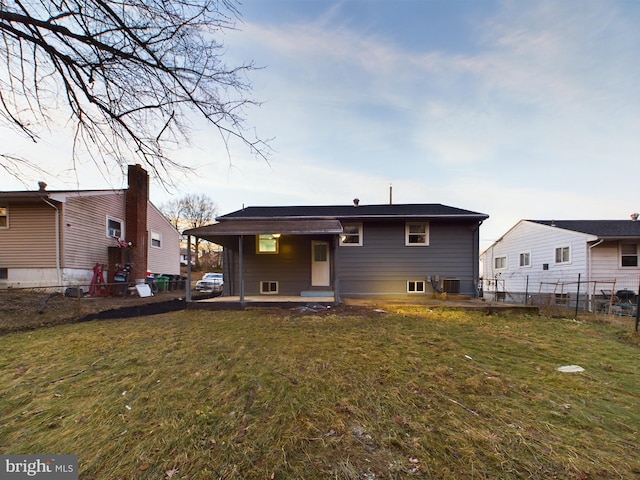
(163, 283)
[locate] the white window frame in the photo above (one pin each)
(416, 286)
(270, 284)
(495, 262)
(155, 236)
(408, 234)
(345, 236)
(623, 254)
(267, 237)
(562, 261)
(527, 257)
(4, 213)
(108, 230)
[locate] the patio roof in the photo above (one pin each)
(257, 227)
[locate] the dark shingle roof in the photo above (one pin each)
(430, 210)
(600, 228)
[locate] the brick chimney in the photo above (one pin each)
(136, 199)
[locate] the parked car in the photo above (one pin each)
(211, 283)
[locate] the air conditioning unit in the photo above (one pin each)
(114, 233)
(451, 285)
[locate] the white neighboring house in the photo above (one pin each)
(549, 257)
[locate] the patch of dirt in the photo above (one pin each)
(27, 309)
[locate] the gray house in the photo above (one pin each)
(348, 251)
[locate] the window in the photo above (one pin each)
(267, 243)
(114, 228)
(525, 259)
(562, 255)
(500, 262)
(416, 234)
(4, 273)
(4, 217)
(415, 286)
(629, 255)
(156, 239)
(269, 287)
(351, 234)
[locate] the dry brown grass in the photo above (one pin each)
(352, 393)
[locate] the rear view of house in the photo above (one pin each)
(348, 251)
(55, 238)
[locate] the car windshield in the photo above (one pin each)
(212, 276)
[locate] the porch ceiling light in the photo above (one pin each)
(275, 235)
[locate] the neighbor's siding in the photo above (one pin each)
(85, 228)
(30, 240)
(540, 241)
(605, 262)
(166, 259)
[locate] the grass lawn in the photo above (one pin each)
(407, 392)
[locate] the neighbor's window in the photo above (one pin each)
(415, 286)
(416, 234)
(500, 262)
(351, 234)
(114, 227)
(156, 239)
(267, 243)
(525, 259)
(562, 255)
(4, 217)
(629, 255)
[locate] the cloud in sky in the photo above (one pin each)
(514, 109)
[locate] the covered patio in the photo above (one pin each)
(304, 243)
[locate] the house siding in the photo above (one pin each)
(84, 226)
(384, 264)
(605, 264)
(166, 259)
(30, 240)
(290, 267)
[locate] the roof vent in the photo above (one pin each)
(356, 202)
(42, 186)
(553, 223)
(634, 216)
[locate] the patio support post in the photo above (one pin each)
(188, 285)
(240, 267)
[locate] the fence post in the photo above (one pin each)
(578, 296)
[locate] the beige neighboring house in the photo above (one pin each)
(56, 238)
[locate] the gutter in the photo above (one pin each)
(58, 259)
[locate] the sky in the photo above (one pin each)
(516, 109)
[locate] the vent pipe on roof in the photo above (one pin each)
(356, 201)
(634, 216)
(390, 194)
(553, 223)
(42, 186)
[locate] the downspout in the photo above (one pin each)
(240, 267)
(59, 272)
(589, 292)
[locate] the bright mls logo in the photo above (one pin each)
(50, 467)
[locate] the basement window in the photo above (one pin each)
(269, 287)
(415, 286)
(4, 273)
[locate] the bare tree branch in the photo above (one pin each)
(129, 74)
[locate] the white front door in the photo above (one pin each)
(320, 265)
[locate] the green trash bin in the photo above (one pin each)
(163, 283)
